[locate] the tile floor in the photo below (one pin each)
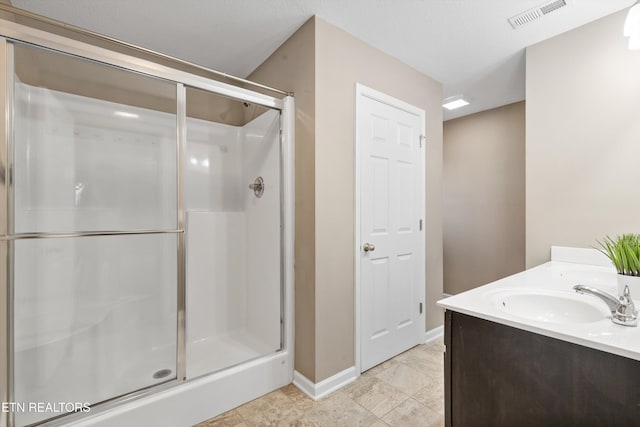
(406, 391)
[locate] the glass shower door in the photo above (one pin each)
(95, 267)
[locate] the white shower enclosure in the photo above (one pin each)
(145, 241)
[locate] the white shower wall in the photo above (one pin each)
(213, 167)
(233, 243)
(262, 158)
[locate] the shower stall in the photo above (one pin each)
(145, 238)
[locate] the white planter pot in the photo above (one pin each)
(633, 282)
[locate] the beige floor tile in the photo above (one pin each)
(436, 351)
(421, 358)
(432, 397)
(437, 375)
(405, 378)
(299, 398)
(436, 358)
(425, 352)
(436, 405)
(412, 414)
(270, 410)
(291, 421)
(417, 352)
(339, 410)
(431, 364)
(379, 368)
(375, 395)
(434, 372)
(436, 345)
(228, 419)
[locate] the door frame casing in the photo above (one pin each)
(362, 91)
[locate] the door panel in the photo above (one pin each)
(391, 198)
(405, 297)
(380, 195)
(380, 283)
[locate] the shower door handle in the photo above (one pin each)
(368, 247)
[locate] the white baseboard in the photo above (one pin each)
(433, 334)
(319, 390)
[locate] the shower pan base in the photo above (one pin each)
(189, 403)
(205, 355)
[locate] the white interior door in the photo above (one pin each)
(391, 240)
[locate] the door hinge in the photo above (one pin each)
(420, 308)
(423, 138)
(420, 225)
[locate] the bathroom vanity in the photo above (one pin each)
(529, 350)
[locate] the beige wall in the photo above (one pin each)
(321, 64)
(341, 61)
(292, 68)
(484, 192)
(583, 138)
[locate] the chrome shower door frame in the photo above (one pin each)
(6, 246)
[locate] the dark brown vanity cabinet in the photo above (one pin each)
(497, 375)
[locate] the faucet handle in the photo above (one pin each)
(625, 298)
(626, 313)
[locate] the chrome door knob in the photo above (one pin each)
(368, 247)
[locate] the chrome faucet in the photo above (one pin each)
(623, 311)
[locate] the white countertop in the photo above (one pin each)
(557, 277)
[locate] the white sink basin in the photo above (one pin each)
(553, 307)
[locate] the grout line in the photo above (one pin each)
(395, 407)
(358, 403)
(241, 417)
(386, 383)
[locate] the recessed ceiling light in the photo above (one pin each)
(127, 115)
(457, 103)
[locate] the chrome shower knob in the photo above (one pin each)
(257, 187)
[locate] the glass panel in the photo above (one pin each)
(233, 235)
(95, 318)
(95, 146)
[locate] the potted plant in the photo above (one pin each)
(624, 253)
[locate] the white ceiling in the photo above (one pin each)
(468, 45)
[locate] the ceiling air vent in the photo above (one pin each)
(537, 12)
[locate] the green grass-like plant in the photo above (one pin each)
(624, 252)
